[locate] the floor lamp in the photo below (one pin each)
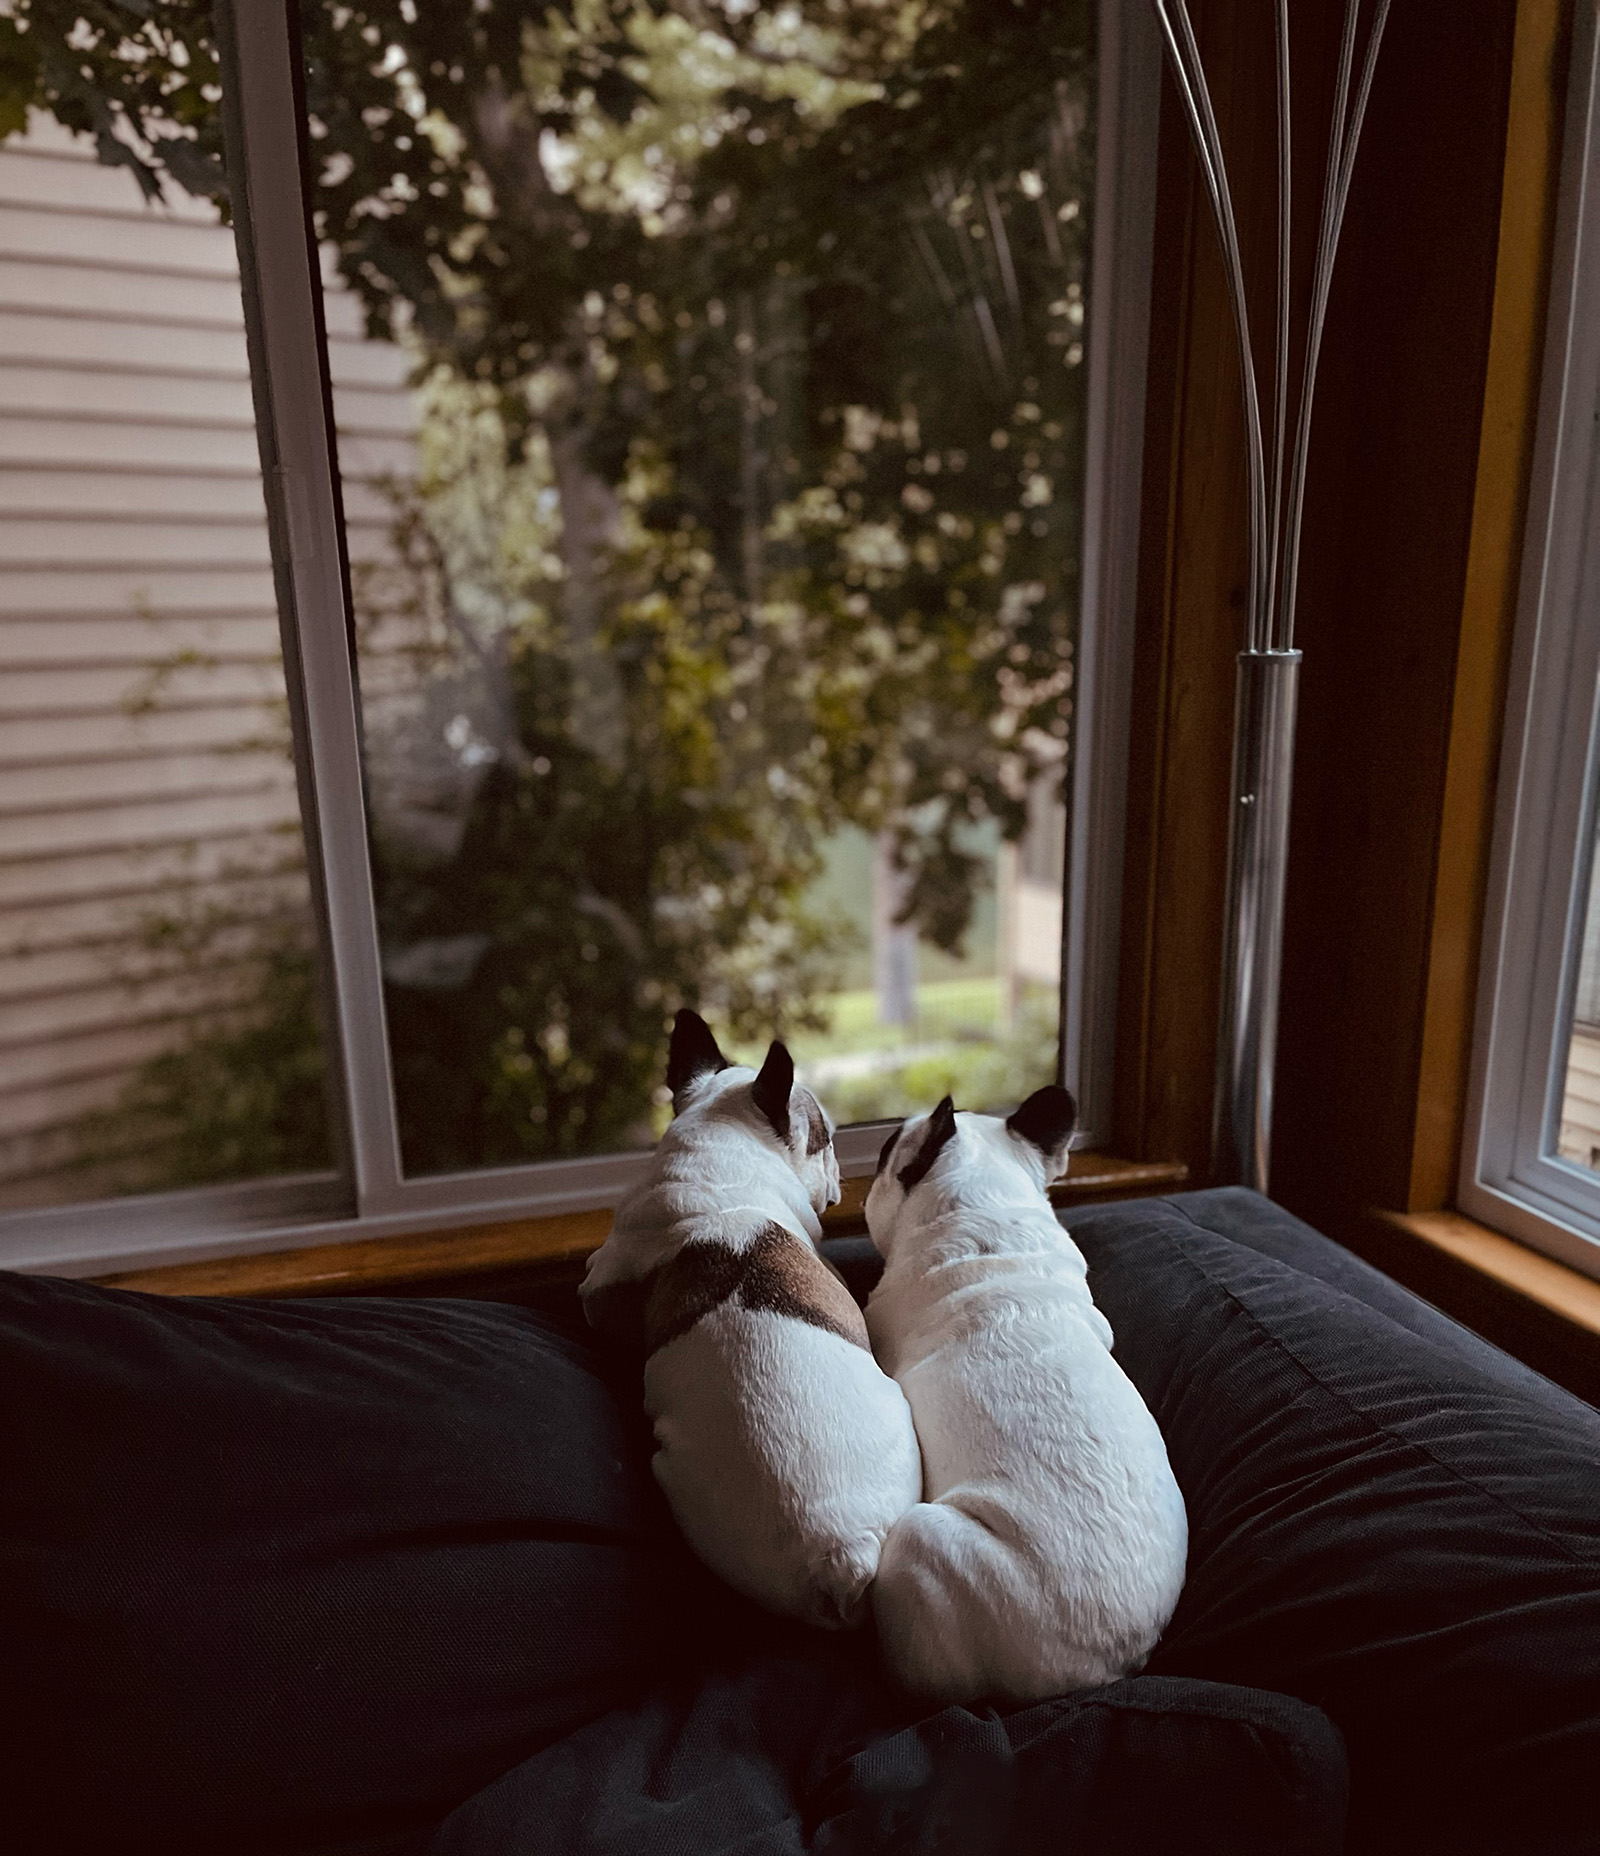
(1269, 665)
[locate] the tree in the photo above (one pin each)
(784, 305)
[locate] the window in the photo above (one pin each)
(697, 477)
(152, 865)
(1531, 1161)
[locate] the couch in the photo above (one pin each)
(386, 1576)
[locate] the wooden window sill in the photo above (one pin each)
(1534, 1307)
(486, 1261)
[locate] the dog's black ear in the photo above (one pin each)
(936, 1133)
(888, 1147)
(693, 1053)
(772, 1088)
(1046, 1121)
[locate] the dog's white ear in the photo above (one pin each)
(693, 1053)
(772, 1088)
(1046, 1121)
(937, 1131)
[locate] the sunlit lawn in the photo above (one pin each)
(957, 1045)
(963, 1008)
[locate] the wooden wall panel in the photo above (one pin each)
(1389, 525)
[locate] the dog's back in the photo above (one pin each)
(1050, 1551)
(785, 1451)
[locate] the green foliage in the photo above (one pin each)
(241, 1095)
(751, 484)
(623, 848)
(140, 76)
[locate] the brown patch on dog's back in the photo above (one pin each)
(787, 1276)
(779, 1272)
(699, 1278)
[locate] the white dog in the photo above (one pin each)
(783, 1449)
(1049, 1552)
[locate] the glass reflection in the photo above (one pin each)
(158, 1023)
(714, 530)
(1578, 1136)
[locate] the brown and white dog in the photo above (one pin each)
(785, 1452)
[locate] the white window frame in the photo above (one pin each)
(1511, 1176)
(369, 1195)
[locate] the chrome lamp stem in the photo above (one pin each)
(1258, 855)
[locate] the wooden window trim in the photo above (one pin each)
(1534, 134)
(488, 1260)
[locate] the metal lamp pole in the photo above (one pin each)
(1269, 666)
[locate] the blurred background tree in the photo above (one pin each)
(749, 493)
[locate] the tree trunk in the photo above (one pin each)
(894, 943)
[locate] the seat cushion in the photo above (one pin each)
(795, 1749)
(1382, 1523)
(1258, 1224)
(300, 1576)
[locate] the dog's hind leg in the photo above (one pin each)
(938, 1578)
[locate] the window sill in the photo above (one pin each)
(488, 1261)
(1534, 1307)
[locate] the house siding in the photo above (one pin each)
(143, 754)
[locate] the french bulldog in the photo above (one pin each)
(1049, 1551)
(784, 1450)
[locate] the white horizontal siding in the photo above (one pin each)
(215, 809)
(84, 740)
(121, 295)
(159, 394)
(46, 944)
(170, 868)
(107, 344)
(52, 167)
(29, 691)
(65, 786)
(1580, 1108)
(130, 494)
(142, 770)
(88, 438)
(136, 540)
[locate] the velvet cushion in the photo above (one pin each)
(300, 1576)
(1249, 1219)
(798, 1747)
(1382, 1522)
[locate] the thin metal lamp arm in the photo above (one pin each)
(1336, 193)
(1189, 75)
(1280, 416)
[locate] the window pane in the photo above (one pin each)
(157, 1018)
(1578, 1138)
(710, 396)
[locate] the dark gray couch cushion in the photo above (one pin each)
(799, 1748)
(1249, 1219)
(300, 1576)
(1387, 1518)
